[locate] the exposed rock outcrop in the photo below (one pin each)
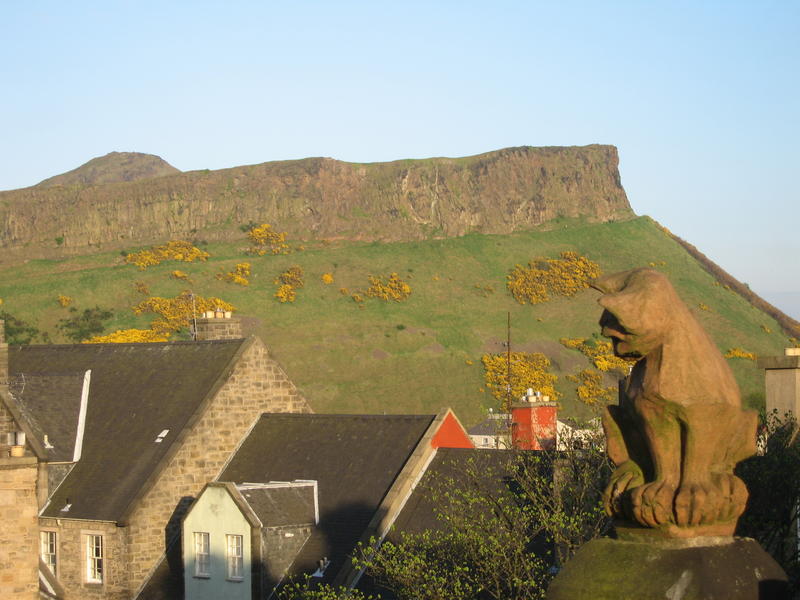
(497, 192)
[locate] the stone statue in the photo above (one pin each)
(675, 438)
(679, 429)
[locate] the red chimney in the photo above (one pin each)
(534, 422)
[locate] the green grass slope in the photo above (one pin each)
(414, 356)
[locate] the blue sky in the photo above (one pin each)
(701, 98)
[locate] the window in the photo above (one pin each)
(94, 558)
(234, 555)
(202, 558)
(47, 549)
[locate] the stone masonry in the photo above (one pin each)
(218, 328)
(71, 558)
(258, 384)
(19, 529)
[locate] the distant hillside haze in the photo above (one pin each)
(508, 190)
(112, 168)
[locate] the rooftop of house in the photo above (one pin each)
(479, 469)
(354, 458)
(141, 398)
(495, 424)
(277, 504)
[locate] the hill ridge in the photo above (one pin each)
(502, 191)
(112, 168)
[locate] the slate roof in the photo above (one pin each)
(354, 458)
(491, 426)
(488, 466)
(50, 403)
(278, 506)
(136, 391)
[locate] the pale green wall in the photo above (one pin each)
(215, 513)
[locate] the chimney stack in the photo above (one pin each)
(782, 382)
(218, 325)
(534, 422)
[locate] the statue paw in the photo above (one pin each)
(733, 496)
(652, 503)
(627, 475)
(697, 503)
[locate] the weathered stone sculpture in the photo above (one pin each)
(680, 430)
(675, 438)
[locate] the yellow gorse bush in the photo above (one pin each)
(564, 276)
(179, 250)
(740, 353)
(240, 275)
(393, 289)
(286, 293)
(179, 275)
(327, 278)
(127, 336)
(176, 313)
(288, 282)
(64, 300)
(590, 388)
(292, 276)
(528, 370)
(265, 240)
(601, 353)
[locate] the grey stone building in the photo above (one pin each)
(114, 442)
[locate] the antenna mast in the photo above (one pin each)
(194, 317)
(508, 363)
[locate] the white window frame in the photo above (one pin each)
(202, 554)
(234, 556)
(95, 557)
(48, 549)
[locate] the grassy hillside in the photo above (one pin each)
(412, 356)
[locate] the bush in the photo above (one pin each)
(84, 325)
(528, 370)
(394, 289)
(176, 313)
(179, 250)
(240, 275)
(264, 240)
(564, 276)
(18, 332)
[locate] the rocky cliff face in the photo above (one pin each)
(113, 167)
(496, 192)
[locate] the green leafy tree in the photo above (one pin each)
(306, 589)
(773, 480)
(18, 332)
(84, 325)
(501, 529)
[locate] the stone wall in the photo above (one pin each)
(19, 529)
(257, 385)
(71, 553)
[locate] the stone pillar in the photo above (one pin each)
(19, 529)
(218, 325)
(782, 382)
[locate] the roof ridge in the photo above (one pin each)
(138, 344)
